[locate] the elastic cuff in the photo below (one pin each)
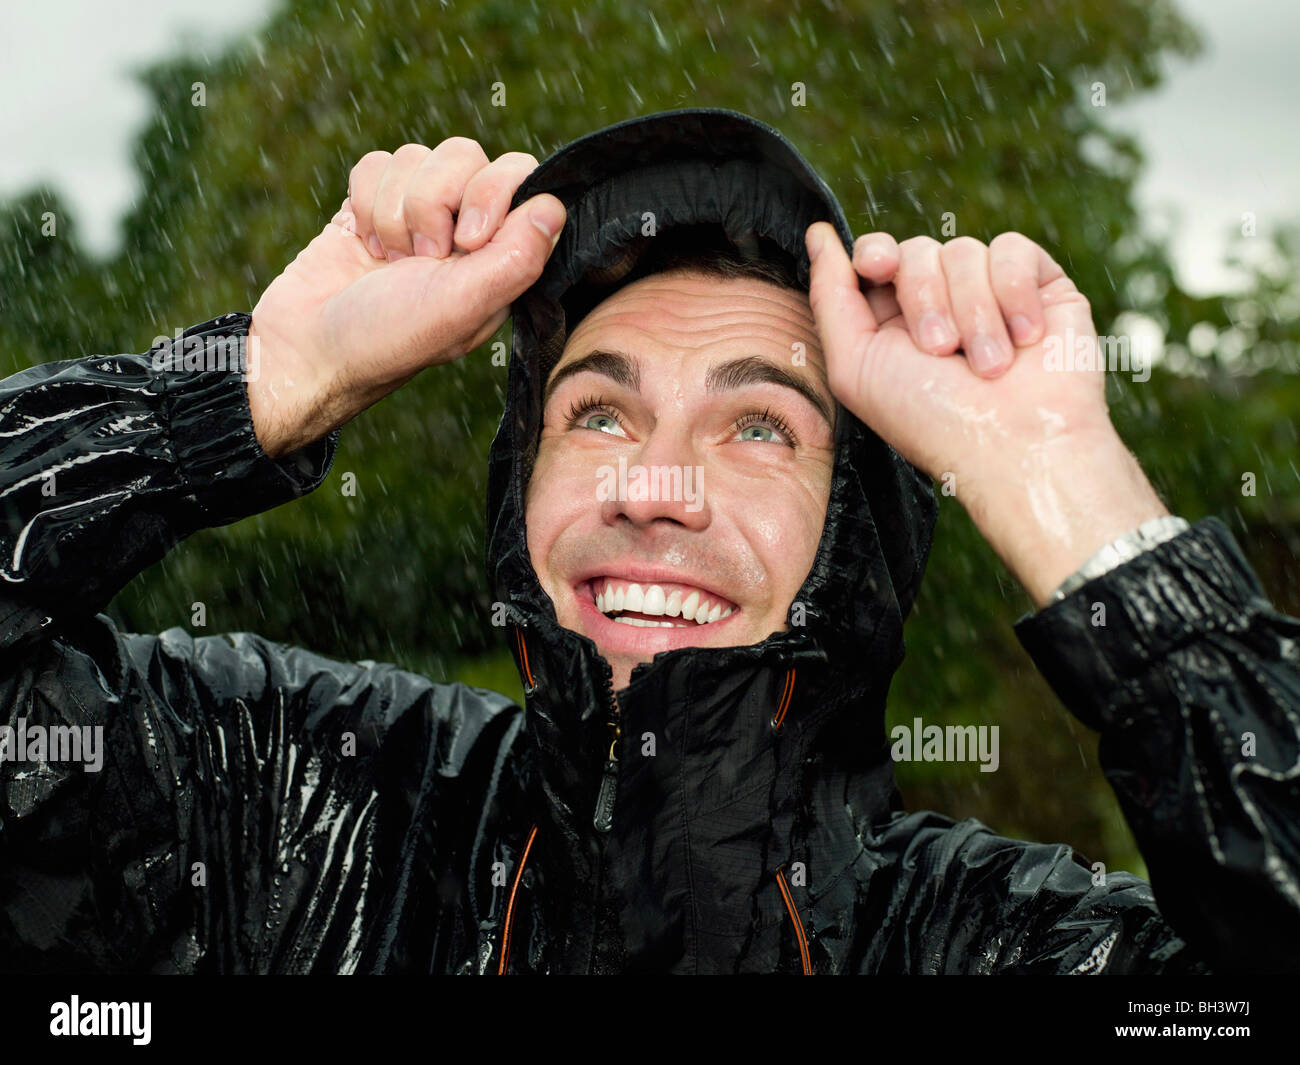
(1116, 626)
(211, 431)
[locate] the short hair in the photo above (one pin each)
(706, 251)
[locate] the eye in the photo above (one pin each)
(764, 433)
(601, 422)
(594, 414)
(765, 428)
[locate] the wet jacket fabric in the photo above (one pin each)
(261, 808)
(406, 856)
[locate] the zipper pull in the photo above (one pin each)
(604, 817)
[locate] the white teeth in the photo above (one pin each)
(673, 608)
(645, 623)
(654, 600)
(693, 609)
(689, 605)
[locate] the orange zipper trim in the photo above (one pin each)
(798, 924)
(523, 657)
(510, 906)
(785, 699)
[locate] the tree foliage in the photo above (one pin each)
(939, 117)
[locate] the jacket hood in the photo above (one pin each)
(694, 167)
(700, 167)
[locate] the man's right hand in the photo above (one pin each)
(418, 267)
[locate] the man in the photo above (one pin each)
(699, 780)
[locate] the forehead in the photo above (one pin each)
(689, 313)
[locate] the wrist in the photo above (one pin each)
(287, 400)
(1050, 508)
(1123, 549)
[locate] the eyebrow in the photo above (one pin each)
(753, 370)
(750, 370)
(615, 365)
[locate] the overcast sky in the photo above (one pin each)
(1220, 136)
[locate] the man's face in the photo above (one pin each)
(684, 465)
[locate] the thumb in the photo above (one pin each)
(844, 320)
(497, 273)
(1066, 310)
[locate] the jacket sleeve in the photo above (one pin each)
(1192, 679)
(960, 899)
(227, 816)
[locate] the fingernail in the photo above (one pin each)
(468, 224)
(548, 222)
(1022, 329)
(376, 246)
(815, 240)
(934, 330)
(424, 246)
(985, 355)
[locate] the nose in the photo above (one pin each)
(661, 481)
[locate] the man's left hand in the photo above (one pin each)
(945, 357)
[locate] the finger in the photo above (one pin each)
(922, 292)
(845, 324)
(875, 257)
(883, 302)
(1018, 268)
(1066, 310)
(984, 338)
(498, 273)
(389, 216)
(363, 182)
(345, 217)
(487, 197)
(433, 194)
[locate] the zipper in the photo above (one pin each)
(523, 659)
(805, 962)
(786, 693)
(603, 818)
(510, 906)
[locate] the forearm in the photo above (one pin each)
(1193, 681)
(1047, 509)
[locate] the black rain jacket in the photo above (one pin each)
(261, 808)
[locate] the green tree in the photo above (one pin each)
(937, 117)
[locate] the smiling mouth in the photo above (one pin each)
(663, 605)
